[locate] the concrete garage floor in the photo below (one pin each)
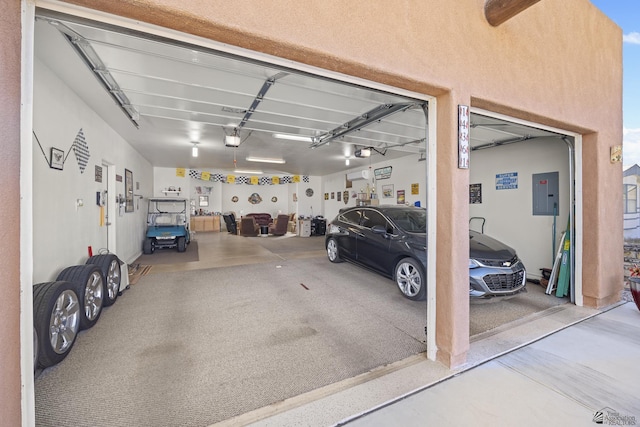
(264, 327)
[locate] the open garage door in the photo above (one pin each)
(141, 98)
(521, 192)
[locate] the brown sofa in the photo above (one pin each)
(261, 218)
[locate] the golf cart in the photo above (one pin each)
(167, 224)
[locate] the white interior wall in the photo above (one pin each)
(222, 194)
(62, 232)
(405, 171)
(509, 213)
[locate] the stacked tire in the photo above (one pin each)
(56, 319)
(70, 304)
(110, 266)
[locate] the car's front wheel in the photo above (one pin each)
(332, 251)
(411, 279)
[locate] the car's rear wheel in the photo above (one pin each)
(332, 250)
(411, 279)
(110, 266)
(182, 244)
(149, 246)
(56, 318)
(90, 289)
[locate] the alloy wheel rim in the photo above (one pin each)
(332, 250)
(93, 295)
(409, 280)
(64, 322)
(113, 279)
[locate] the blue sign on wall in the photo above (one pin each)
(507, 181)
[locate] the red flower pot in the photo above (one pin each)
(634, 284)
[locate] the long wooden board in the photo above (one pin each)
(565, 270)
(554, 271)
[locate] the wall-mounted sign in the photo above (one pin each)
(463, 136)
(382, 173)
(475, 194)
(415, 188)
(98, 173)
(118, 178)
(507, 181)
(616, 154)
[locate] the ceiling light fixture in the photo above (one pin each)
(346, 162)
(293, 137)
(249, 172)
(194, 149)
(265, 160)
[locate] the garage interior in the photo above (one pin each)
(254, 321)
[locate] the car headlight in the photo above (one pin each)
(473, 263)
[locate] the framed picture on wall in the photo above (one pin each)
(128, 190)
(204, 201)
(56, 159)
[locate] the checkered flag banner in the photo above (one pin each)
(239, 179)
(81, 150)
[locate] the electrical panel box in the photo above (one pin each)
(545, 193)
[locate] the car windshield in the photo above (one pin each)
(411, 220)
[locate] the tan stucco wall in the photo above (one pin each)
(10, 413)
(558, 63)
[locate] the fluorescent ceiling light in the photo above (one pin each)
(293, 137)
(265, 160)
(194, 150)
(250, 172)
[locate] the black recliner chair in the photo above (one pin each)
(230, 220)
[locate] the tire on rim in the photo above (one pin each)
(182, 244)
(149, 246)
(332, 250)
(56, 319)
(410, 279)
(35, 348)
(110, 266)
(90, 288)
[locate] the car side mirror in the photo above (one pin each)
(379, 229)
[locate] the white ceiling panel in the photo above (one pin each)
(177, 94)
